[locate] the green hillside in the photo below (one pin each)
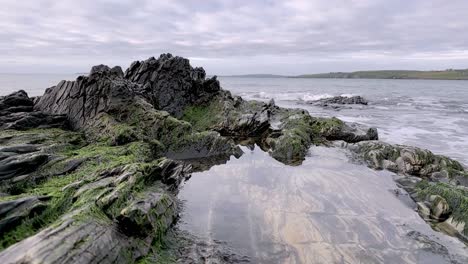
(394, 74)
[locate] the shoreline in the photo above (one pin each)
(103, 153)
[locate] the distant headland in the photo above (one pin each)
(449, 74)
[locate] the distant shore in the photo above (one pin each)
(449, 74)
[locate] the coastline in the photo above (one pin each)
(113, 135)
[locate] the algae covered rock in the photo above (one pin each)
(285, 133)
(440, 209)
(114, 217)
(447, 204)
(409, 160)
(438, 184)
(12, 212)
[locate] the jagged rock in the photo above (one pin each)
(72, 242)
(16, 112)
(15, 100)
(108, 106)
(114, 218)
(22, 164)
(22, 121)
(83, 100)
(144, 215)
(203, 145)
(244, 119)
(171, 84)
(14, 211)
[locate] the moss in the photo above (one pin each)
(99, 157)
(151, 124)
(456, 197)
(324, 126)
(47, 136)
(203, 117)
(57, 206)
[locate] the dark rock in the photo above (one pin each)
(21, 164)
(339, 100)
(70, 166)
(23, 121)
(122, 110)
(248, 119)
(171, 84)
(16, 112)
(16, 99)
(14, 211)
(83, 100)
(187, 248)
(20, 149)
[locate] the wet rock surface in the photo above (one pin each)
(14, 211)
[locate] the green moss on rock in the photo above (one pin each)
(456, 197)
(203, 117)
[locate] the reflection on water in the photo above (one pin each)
(325, 211)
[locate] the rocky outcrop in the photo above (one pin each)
(338, 102)
(16, 112)
(411, 161)
(438, 184)
(108, 106)
(285, 133)
(24, 153)
(115, 216)
(85, 99)
(164, 91)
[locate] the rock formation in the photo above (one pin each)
(16, 112)
(339, 102)
(439, 184)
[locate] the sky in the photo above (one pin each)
(235, 37)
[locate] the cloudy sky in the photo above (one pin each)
(233, 37)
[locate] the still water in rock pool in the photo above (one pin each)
(327, 210)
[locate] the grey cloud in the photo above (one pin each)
(230, 36)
